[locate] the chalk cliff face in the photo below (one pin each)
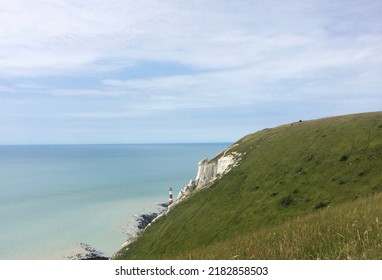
(208, 171)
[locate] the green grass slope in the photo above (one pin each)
(285, 172)
(349, 230)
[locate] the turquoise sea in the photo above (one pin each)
(54, 197)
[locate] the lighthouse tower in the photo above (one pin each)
(170, 199)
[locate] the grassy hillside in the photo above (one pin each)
(286, 172)
(349, 230)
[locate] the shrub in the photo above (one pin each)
(286, 201)
(344, 158)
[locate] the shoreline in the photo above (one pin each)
(144, 221)
(88, 252)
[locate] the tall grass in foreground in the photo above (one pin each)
(352, 230)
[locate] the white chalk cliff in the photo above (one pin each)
(209, 171)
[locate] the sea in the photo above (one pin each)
(53, 198)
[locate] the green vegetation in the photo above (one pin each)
(351, 230)
(280, 194)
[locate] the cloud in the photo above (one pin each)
(328, 69)
(71, 38)
(104, 60)
(83, 92)
(67, 37)
(6, 89)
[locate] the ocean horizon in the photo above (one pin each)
(53, 198)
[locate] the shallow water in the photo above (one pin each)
(52, 198)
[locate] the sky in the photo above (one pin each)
(171, 71)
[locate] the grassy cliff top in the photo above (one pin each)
(286, 172)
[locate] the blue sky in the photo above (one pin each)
(122, 71)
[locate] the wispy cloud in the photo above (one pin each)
(260, 55)
(54, 37)
(5, 89)
(83, 92)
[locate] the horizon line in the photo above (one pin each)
(144, 143)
